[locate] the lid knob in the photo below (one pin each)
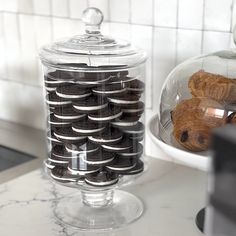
(92, 18)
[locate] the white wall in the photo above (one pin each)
(170, 30)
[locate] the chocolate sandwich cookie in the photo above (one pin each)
(102, 178)
(137, 169)
(87, 127)
(50, 89)
(78, 167)
(78, 148)
(59, 151)
(126, 120)
(123, 145)
(49, 164)
(60, 76)
(98, 158)
(91, 104)
(63, 175)
(68, 113)
(120, 165)
(135, 151)
(107, 114)
(92, 79)
(137, 129)
(108, 135)
(72, 91)
(136, 137)
(137, 108)
(136, 86)
(109, 89)
(58, 161)
(52, 138)
(123, 99)
(51, 108)
(120, 80)
(53, 99)
(54, 82)
(66, 134)
(55, 122)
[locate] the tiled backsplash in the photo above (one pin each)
(170, 30)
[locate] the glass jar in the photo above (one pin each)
(95, 128)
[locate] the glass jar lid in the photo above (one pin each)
(92, 50)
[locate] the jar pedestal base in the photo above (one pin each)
(99, 210)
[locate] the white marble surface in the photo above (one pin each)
(172, 195)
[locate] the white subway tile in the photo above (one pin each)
(3, 66)
(191, 14)
(103, 5)
(12, 45)
(142, 38)
(29, 57)
(42, 7)
(25, 6)
(61, 28)
(165, 13)
(76, 27)
(24, 106)
(77, 7)
(60, 8)
(9, 5)
(43, 30)
(105, 28)
(218, 15)
(141, 12)
(164, 59)
(215, 41)
(189, 43)
(43, 34)
(34, 104)
(120, 10)
(120, 30)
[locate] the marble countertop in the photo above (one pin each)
(172, 195)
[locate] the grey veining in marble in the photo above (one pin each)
(172, 195)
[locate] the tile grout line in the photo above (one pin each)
(203, 25)
(231, 16)
(68, 8)
(109, 10)
(51, 20)
(177, 33)
(152, 56)
(130, 12)
(4, 43)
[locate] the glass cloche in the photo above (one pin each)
(94, 91)
(198, 96)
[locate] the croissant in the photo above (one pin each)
(194, 119)
(194, 135)
(231, 119)
(207, 110)
(217, 87)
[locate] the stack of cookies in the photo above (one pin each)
(95, 130)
